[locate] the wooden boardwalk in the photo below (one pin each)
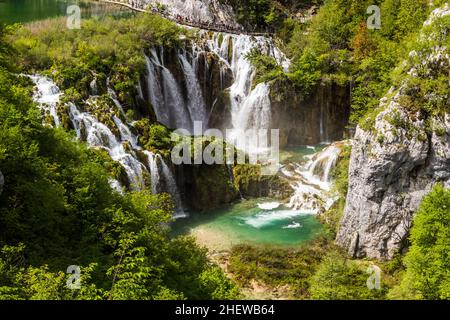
(194, 24)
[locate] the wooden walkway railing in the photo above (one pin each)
(193, 24)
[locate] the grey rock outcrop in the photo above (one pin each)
(391, 170)
(308, 120)
(399, 160)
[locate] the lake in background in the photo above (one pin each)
(13, 11)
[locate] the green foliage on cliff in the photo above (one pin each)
(427, 262)
(338, 46)
(154, 137)
(256, 14)
(251, 183)
(58, 209)
(267, 68)
(111, 48)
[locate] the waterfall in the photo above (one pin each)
(156, 164)
(155, 93)
(172, 187)
(165, 95)
(196, 103)
(154, 171)
(114, 98)
(324, 162)
(250, 107)
(47, 96)
(313, 186)
(126, 134)
(100, 136)
(255, 112)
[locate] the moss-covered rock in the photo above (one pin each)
(208, 186)
(251, 183)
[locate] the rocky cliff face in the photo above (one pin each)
(396, 163)
(319, 117)
(387, 180)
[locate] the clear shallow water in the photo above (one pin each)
(248, 222)
(245, 222)
(13, 11)
(297, 154)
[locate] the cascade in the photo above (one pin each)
(172, 188)
(196, 103)
(126, 134)
(165, 95)
(154, 171)
(250, 107)
(324, 162)
(47, 95)
(155, 93)
(114, 98)
(159, 171)
(313, 186)
(98, 135)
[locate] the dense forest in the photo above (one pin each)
(57, 205)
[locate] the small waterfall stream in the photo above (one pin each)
(312, 189)
(47, 96)
(196, 102)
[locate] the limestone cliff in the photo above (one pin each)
(397, 161)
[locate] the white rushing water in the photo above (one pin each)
(266, 218)
(47, 95)
(165, 94)
(195, 101)
(269, 205)
(250, 106)
(98, 135)
(313, 187)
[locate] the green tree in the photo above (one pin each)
(428, 261)
(338, 278)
